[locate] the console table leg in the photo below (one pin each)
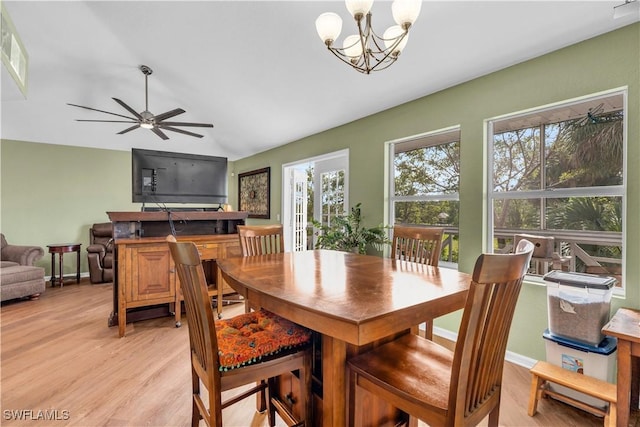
(53, 269)
(61, 273)
(78, 267)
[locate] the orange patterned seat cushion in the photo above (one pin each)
(248, 337)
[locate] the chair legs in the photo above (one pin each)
(271, 413)
(494, 416)
(306, 393)
(428, 329)
(195, 411)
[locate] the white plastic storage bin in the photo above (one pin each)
(578, 305)
(594, 361)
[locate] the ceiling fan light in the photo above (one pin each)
(405, 12)
(352, 46)
(329, 25)
(146, 125)
(358, 7)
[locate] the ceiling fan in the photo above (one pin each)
(598, 115)
(146, 119)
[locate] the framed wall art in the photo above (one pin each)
(254, 193)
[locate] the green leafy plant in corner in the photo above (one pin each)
(346, 233)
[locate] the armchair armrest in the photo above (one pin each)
(97, 248)
(23, 255)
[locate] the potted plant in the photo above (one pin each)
(345, 233)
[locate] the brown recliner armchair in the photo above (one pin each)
(100, 253)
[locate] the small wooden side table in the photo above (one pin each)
(625, 326)
(61, 249)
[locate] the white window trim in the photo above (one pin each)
(617, 190)
(390, 198)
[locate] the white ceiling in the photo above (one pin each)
(256, 70)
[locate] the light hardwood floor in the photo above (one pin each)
(60, 360)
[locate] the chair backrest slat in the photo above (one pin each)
(261, 240)
(417, 244)
(484, 330)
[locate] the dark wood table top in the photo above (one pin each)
(351, 297)
(64, 247)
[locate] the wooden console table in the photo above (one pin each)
(145, 279)
(625, 326)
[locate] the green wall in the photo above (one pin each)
(603, 63)
(53, 193)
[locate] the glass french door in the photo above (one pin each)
(317, 186)
(299, 209)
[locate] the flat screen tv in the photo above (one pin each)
(164, 177)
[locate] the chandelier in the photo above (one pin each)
(367, 51)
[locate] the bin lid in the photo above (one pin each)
(607, 346)
(580, 280)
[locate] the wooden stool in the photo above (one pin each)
(543, 372)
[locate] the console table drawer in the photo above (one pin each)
(208, 250)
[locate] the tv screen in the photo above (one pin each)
(164, 177)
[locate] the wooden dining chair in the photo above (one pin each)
(261, 239)
(421, 245)
(439, 386)
(249, 348)
(417, 244)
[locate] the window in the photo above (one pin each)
(559, 173)
(424, 184)
(332, 195)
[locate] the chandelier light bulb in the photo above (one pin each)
(352, 46)
(329, 26)
(391, 35)
(358, 7)
(405, 12)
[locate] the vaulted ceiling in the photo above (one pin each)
(255, 69)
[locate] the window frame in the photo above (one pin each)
(557, 193)
(390, 177)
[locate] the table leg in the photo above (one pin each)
(122, 311)
(53, 269)
(78, 267)
(624, 382)
(635, 381)
(60, 255)
(334, 388)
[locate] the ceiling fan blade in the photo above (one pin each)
(129, 109)
(159, 133)
(102, 111)
(168, 114)
(129, 129)
(202, 125)
(107, 121)
(185, 132)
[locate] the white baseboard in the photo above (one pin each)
(48, 278)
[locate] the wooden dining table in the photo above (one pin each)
(354, 301)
